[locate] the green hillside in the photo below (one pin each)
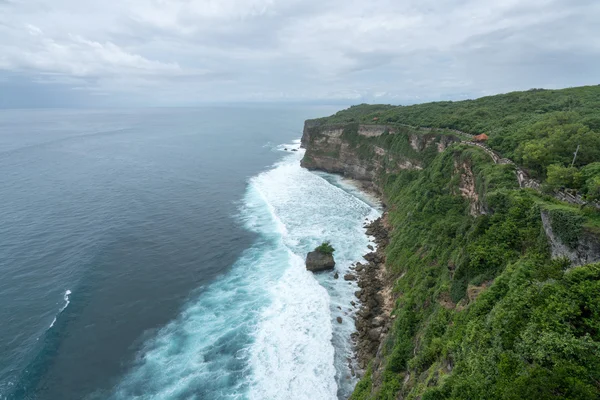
(538, 129)
(482, 308)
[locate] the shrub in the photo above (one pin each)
(325, 248)
(567, 225)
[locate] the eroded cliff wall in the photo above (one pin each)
(369, 152)
(466, 258)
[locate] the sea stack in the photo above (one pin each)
(321, 259)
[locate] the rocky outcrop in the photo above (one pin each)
(333, 148)
(467, 187)
(373, 318)
(317, 261)
(374, 130)
(585, 251)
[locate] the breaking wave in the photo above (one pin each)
(267, 328)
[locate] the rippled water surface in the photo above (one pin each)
(158, 254)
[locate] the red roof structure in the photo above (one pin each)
(481, 138)
(376, 119)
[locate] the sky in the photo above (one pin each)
(61, 53)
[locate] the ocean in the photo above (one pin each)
(159, 254)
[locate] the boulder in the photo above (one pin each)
(339, 320)
(375, 333)
(349, 277)
(317, 261)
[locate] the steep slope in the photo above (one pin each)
(496, 292)
(539, 129)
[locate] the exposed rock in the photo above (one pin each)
(339, 320)
(370, 247)
(349, 277)
(585, 251)
(317, 261)
(467, 187)
(372, 319)
(375, 333)
(373, 257)
(327, 149)
(336, 275)
(294, 149)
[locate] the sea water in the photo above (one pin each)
(174, 245)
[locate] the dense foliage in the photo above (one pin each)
(483, 312)
(325, 248)
(538, 129)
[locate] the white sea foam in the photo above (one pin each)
(292, 356)
(266, 330)
(296, 346)
(67, 302)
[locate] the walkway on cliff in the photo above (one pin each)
(525, 181)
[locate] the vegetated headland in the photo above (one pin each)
(486, 280)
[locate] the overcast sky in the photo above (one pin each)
(187, 52)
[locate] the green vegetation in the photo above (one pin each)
(537, 129)
(325, 248)
(533, 333)
(483, 311)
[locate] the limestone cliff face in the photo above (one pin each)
(357, 151)
(467, 187)
(585, 251)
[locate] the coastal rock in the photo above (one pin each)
(317, 261)
(372, 318)
(336, 276)
(375, 333)
(339, 320)
(374, 257)
(349, 277)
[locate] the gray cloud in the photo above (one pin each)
(178, 52)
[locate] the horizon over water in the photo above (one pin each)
(158, 254)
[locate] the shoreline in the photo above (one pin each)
(373, 301)
(373, 318)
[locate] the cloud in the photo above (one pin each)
(402, 51)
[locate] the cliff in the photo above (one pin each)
(366, 152)
(485, 304)
(570, 240)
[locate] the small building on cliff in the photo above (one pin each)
(481, 138)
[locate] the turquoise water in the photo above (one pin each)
(158, 254)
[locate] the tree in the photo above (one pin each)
(325, 248)
(561, 176)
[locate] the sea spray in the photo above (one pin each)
(267, 329)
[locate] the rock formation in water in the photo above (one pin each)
(317, 261)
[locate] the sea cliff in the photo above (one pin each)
(346, 149)
(482, 288)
